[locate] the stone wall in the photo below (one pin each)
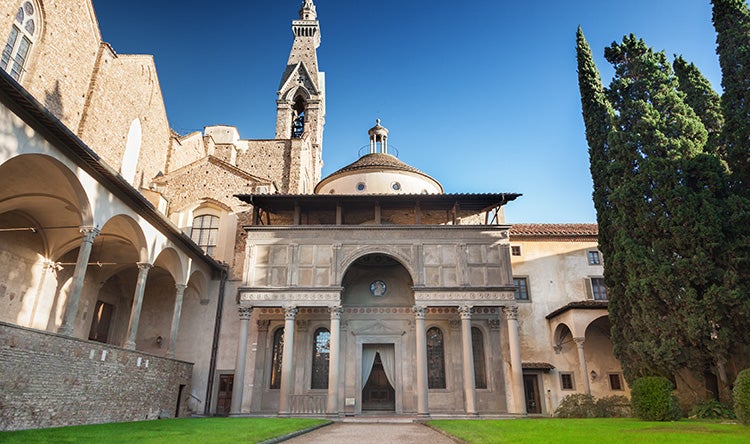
(49, 380)
(60, 63)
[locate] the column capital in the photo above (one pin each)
(245, 313)
(290, 311)
(419, 311)
(579, 342)
(336, 311)
(144, 266)
(89, 232)
(180, 287)
(511, 312)
(465, 311)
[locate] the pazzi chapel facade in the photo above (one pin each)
(145, 273)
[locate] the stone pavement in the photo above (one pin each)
(373, 433)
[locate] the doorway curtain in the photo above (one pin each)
(387, 358)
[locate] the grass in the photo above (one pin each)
(601, 431)
(182, 431)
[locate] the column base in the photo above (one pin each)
(129, 345)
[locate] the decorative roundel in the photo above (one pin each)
(361, 186)
(396, 186)
(378, 288)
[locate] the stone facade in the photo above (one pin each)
(55, 381)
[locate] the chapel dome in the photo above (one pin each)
(378, 173)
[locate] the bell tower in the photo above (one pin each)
(300, 105)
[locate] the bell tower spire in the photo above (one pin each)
(300, 106)
(307, 11)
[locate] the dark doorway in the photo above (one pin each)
(224, 401)
(531, 389)
(378, 393)
(179, 400)
(101, 321)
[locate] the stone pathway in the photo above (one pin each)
(372, 433)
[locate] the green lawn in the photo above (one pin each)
(600, 431)
(181, 431)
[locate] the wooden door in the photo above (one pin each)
(224, 400)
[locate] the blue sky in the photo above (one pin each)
(480, 94)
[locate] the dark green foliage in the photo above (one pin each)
(668, 206)
(712, 409)
(742, 396)
(706, 103)
(653, 399)
(732, 23)
(579, 405)
(597, 116)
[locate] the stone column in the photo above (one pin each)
(582, 363)
(176, 318)
(511, 315)
(135, 312)
(238, 387)
(470, 392)
(422, 386)
(333, 363)
(74, 295)
(287, 360)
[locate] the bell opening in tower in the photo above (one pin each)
(298, 118)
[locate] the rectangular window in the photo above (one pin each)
(598, 290)
(205, 231)
(594, 258)
(522, 288)
(615, 381)
(566, 381)
(515, 250)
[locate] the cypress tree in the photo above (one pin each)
(731, 20)
(704, 100)
(597, 117)
(732, 23)
(668, 199)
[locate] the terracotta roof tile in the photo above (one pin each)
(537, 366)
(554, 230)
(375, 161)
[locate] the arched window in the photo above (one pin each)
(477, 344)
(298, 117)
(204, 232)
(321, 354)
(435, 359)
(23, 34)
(132, 152)
(276, 354)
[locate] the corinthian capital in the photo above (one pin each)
(511, 313)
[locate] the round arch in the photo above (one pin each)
(562, 339)
(377, 280)
(169, 259)
(347, 262)
(198, 284)
(51, 202)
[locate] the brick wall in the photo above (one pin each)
(48, 381)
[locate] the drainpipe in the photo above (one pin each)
(215, 345)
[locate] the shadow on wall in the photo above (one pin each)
(53, 101)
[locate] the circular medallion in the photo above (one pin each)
(378, 288)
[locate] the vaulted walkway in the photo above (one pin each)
(375, 433)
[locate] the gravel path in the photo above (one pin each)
(373, 433)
